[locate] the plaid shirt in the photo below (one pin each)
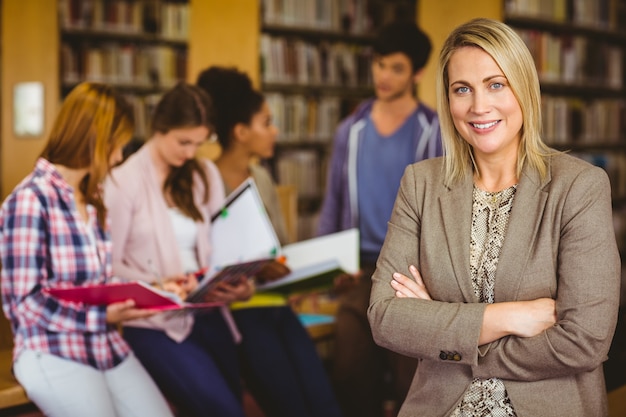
(45, 243)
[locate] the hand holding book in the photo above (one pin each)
(272, 271)
(143, 295)
(240, 289)
(122, 311)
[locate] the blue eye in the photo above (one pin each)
(497, 86)
(463, 90)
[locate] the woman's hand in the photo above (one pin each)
(406, 287)
(125, 310)
(272, 271)
(242, 290)
(181, 285)
(533, 317)
(345, 282)
(518, 318)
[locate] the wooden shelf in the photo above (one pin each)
(141, 89)
(80, 34)
(322, 146)
(319, 89)
(593, 32)
(316, 35)
(579, 90)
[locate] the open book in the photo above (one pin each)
(243, 232)
(244, 240)
(315, 263)
(145, 296)
(229, 274)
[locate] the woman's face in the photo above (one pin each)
(260, 134)
(177, 146)
(483, 107)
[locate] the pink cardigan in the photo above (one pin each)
(144, 244)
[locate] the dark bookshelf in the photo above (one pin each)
(349, 84)
(72, 34)
(139, 47)
(585, 104)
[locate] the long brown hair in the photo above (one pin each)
(94, 120)
(184, 106)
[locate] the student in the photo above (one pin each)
(371, 149)
(69, 357)
(514, 289)
(288, 378)
(160, 202)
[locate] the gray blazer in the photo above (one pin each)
(560, 243)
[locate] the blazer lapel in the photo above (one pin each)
(528, 207)
(456, 209)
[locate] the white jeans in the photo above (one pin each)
(64, 388)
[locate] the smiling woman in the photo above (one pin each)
(499, 268)
(485, 112)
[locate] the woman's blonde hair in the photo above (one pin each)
(512, 56)
(93, 121)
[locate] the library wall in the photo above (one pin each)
(27, 42)
(223, 33)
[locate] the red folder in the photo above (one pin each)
(144, 295)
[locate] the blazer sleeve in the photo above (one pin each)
(587, 301)
(418, 328)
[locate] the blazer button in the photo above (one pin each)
(443, 355)
(457, 356)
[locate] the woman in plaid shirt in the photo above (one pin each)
(69, 357)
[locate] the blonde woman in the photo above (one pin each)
(500, 270)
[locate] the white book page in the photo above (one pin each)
(306, 259)
(242, 230)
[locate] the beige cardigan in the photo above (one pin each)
(144, 244)
(560, 243)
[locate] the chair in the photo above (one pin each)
(288, 198)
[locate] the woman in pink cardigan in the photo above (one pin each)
(160, 203)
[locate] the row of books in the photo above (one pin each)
(614, 163)
(165, 18)
(333, 15)
(570, 120)
(143, 107)
(596, 13)
(115, 63)
(304, 119)
(295, 61)
(303, 169)
(575, 59)
(307, 225)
